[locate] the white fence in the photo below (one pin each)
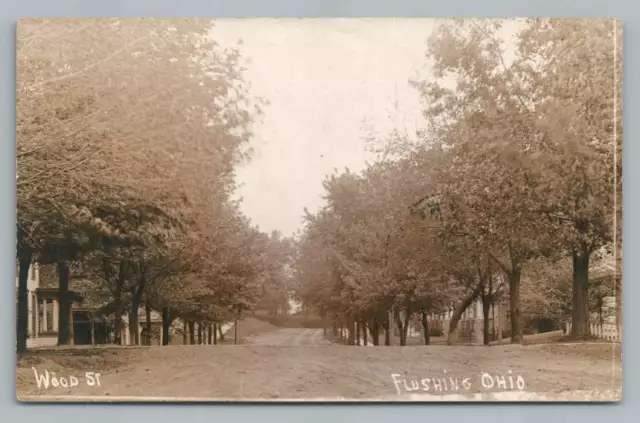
(607, 331)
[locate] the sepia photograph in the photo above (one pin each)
(318, 210)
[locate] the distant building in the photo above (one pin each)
(605, 325)
(471, 325)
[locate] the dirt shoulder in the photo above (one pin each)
(61, 361)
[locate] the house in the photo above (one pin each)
(471, 324)
(604, 324)
(91, 320)
(153, 338)
(43, 305)
(605, 291)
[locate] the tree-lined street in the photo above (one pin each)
(131, 134)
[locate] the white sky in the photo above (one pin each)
(323, 79)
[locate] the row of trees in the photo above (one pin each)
(128, 133)
(516, 179)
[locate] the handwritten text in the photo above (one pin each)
(50, 379)
(444, 383)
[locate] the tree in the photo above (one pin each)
(576, 69)
(365, 255)
(517, 169)
(276, 281)
(486, 127)
(522, 125)
(103, 123)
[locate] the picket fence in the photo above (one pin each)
(606, 331)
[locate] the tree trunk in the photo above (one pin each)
(147, 312)
(22, 330)
(351, 337)
(387, 334)
(192, 333)
(425, 328)
(405, 328)
(358, 332)
(118, 303)
(375, 332)
(134, 325)
(93, 329)
(215, 334)
(118, 324)
(324, 324)
(199, 333)
(580, 300)
(220, 332)
(71, 331)
(64, 304)
(166, 324)
(457, 313)
(514, 303)
(398, 321)
(185, 333)
(364, 333)
(486, 307)
(134, 320)
(210, 334)
(493, 319)
(136, 299)
(401, 329)
(600, 311)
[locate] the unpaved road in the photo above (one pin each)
(295, 364)
(289, 337)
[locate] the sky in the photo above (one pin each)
(329, 83)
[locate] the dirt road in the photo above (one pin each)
(271, 368)
(289, 337)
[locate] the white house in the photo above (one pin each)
(43, 306)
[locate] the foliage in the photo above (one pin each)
(519, 168)
(128, 134)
